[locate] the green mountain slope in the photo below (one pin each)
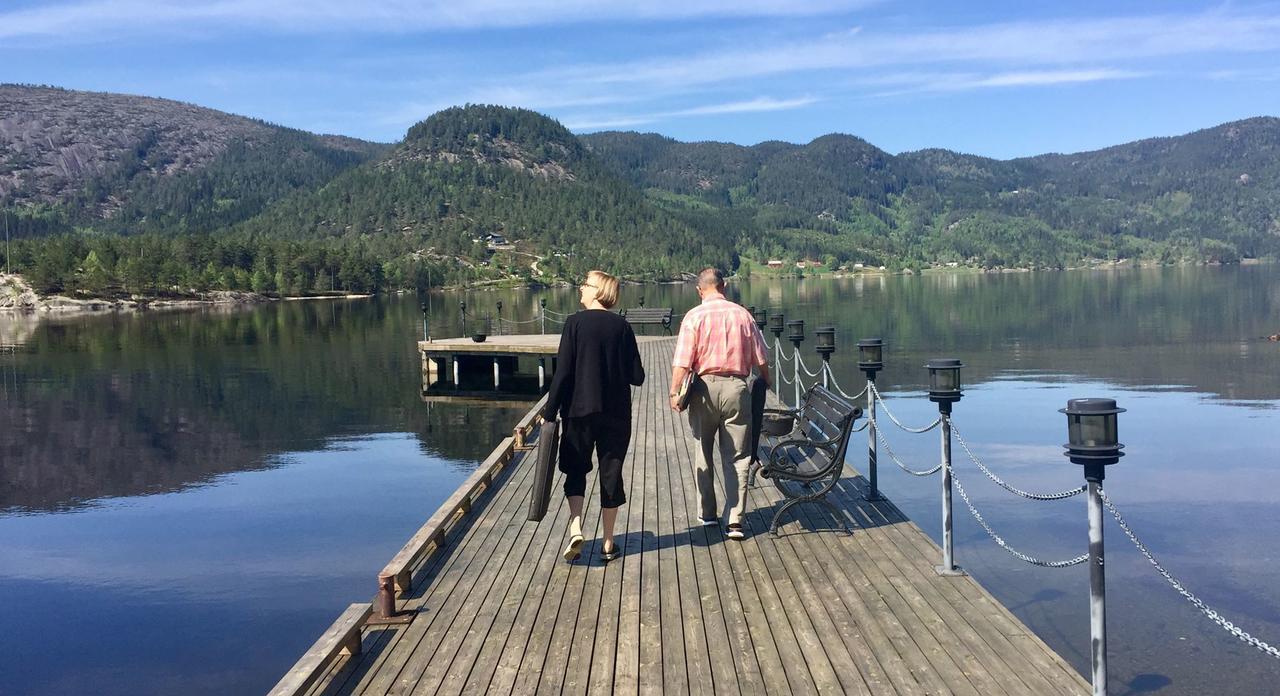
(1213, 195)
(116, 194)
(469, 172)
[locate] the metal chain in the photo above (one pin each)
(1016, 491)
(887, 412)
(805, 368)
(1001, 542)
(836, 385)
(862, 427)
(513, 321)
(782, 353)
(782, 375)
(894, 457)
(1213, 615)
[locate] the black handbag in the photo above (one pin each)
(545, 461)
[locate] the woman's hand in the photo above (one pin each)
(675, 403)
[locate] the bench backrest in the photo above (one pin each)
(648, 315)
(824, 415)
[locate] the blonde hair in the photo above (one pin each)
(606, 287)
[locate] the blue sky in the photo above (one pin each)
(1002, 79)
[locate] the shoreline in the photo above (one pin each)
(18, 299)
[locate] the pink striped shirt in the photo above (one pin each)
(719, 337)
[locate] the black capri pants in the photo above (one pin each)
(609, 436)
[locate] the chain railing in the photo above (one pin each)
(1212, 615)
(805, 368)
(1062, 495)
(1097, 498)
(880, 400)
(835, 385)
(899, 462)
(1003, 544)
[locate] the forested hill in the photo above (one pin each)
(1213, 195)
(469, 172)
(194, 199)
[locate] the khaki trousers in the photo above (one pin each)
(720, 411)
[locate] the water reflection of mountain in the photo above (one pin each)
(127, 405)
(1192, 326)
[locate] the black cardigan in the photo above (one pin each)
(597, 364)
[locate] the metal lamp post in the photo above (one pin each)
(944, 390)
(776, 322)
(761, 315)
(826, 345)
(542, 302)
(499, 303)
(795, 334)
(871, 361)
(462, 307)
(1093, 441)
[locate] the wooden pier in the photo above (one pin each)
(685, 610)
(461, 367)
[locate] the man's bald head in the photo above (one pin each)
(711, 279)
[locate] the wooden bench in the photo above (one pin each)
(656, 316)
(343, 637)
(806, 462)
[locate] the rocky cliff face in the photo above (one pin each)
(53, 141)
(16, 294)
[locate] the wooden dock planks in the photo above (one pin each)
(686, 610)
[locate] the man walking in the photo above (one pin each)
(720, 343)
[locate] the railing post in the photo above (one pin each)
(870, 361)
(462, 307)
(948, 566)
(1093, 441)
(426, 334)
(1097, 585)
(542, 302)
(872, 435)
(499, 331)
(944, 390)
(795, 334)
(826, 345)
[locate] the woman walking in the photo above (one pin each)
(597, 364)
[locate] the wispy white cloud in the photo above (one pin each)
(758, 104)
(911, 83)
(753, 105)
(1249, 75)
(991, 56)
(1049, 43)
(93, 17)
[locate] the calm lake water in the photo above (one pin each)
(188, 499)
